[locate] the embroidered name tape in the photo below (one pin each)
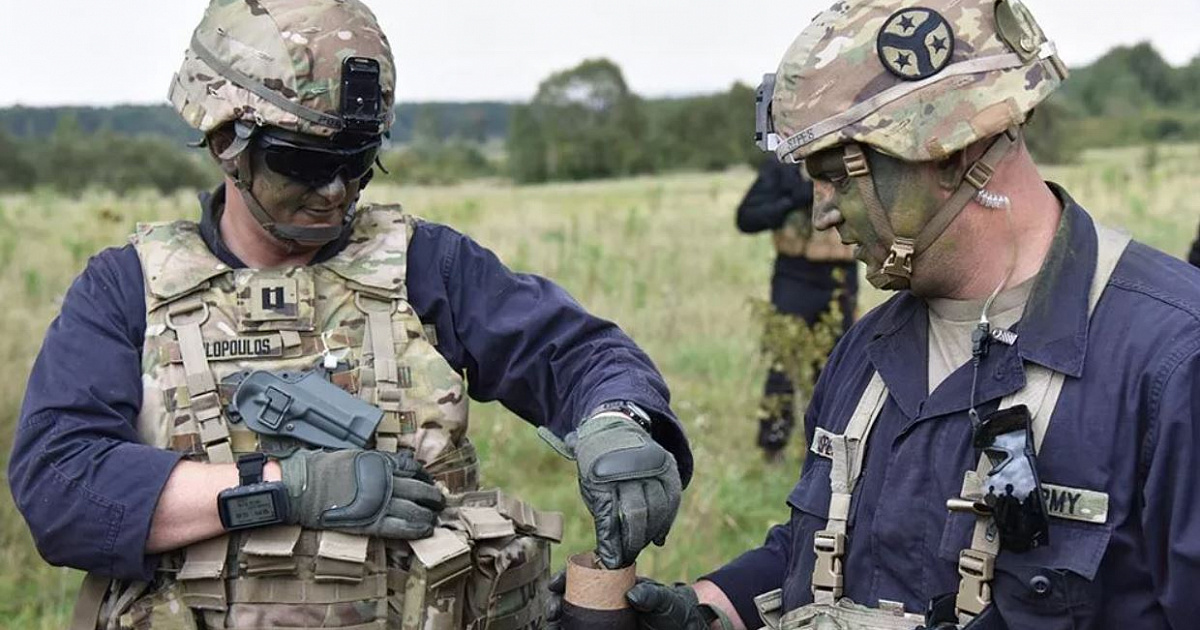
(1075, 504)
(236, 348)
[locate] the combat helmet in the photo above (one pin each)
(294, 68)
(919, 80)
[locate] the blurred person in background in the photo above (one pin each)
(813, 273)
(1011, 440)
(259, 420)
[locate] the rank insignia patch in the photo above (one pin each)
(915, 43)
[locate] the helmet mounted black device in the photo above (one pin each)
(362, 96)
(764, 127)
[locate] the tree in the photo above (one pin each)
(583, 123)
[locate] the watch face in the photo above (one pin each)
(250, 509)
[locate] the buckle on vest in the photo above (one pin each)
(899, 260)
(827, 577)
(975, 592)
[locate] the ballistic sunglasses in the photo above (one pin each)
(317, 163)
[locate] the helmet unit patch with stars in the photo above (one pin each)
(915, 43)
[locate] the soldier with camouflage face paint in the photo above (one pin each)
(260, 420)
(1008, 442)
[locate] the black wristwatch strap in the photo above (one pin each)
(626, 408)
(250, 468)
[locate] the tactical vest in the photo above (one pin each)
(349, 317)
(847, 451)
(798, 239)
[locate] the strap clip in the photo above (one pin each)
(974, 591)
(899, 260)
(979, 174)
(855, 161)
(827, 577)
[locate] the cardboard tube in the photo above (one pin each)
(595, 596)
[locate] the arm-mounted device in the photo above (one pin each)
(254, 502)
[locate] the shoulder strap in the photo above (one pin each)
(847, 452)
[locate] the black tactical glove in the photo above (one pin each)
(374, 493)
(629, 482)
(658, 606)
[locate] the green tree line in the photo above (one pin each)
(582, 123)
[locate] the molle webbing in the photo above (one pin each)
(185, 318)
(387, 393)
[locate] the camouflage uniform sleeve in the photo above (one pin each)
(524, 341)
(70, 471)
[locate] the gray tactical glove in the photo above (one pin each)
(658, 606)
(374, 493)
(629, 482)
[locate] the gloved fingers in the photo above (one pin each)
(408, 511)
(418, 492)
(553, 606)
(407, 466)
(558, 583)
(649, 597)
(402, 529)
(608, 528)
(635, 516)
(664, 507)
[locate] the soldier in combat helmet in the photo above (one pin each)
(813, 274)
(259, 420)
(1010, 441)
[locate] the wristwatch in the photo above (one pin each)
(254, 502)
(627, 409)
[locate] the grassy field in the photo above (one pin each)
(660, 256)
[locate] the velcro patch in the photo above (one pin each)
(1075, 504)
(822, 443)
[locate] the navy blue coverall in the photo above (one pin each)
(88, 488)
(1127, 424)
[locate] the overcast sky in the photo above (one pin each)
(55, 52)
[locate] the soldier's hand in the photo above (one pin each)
(380, 494)
(662, 607)
(630, 484)
(658, 607)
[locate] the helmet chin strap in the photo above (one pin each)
(896, 272)
(243, 178)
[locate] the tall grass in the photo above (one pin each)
(660, 256)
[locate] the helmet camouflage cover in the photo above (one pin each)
(916, 79)
(280, 63)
